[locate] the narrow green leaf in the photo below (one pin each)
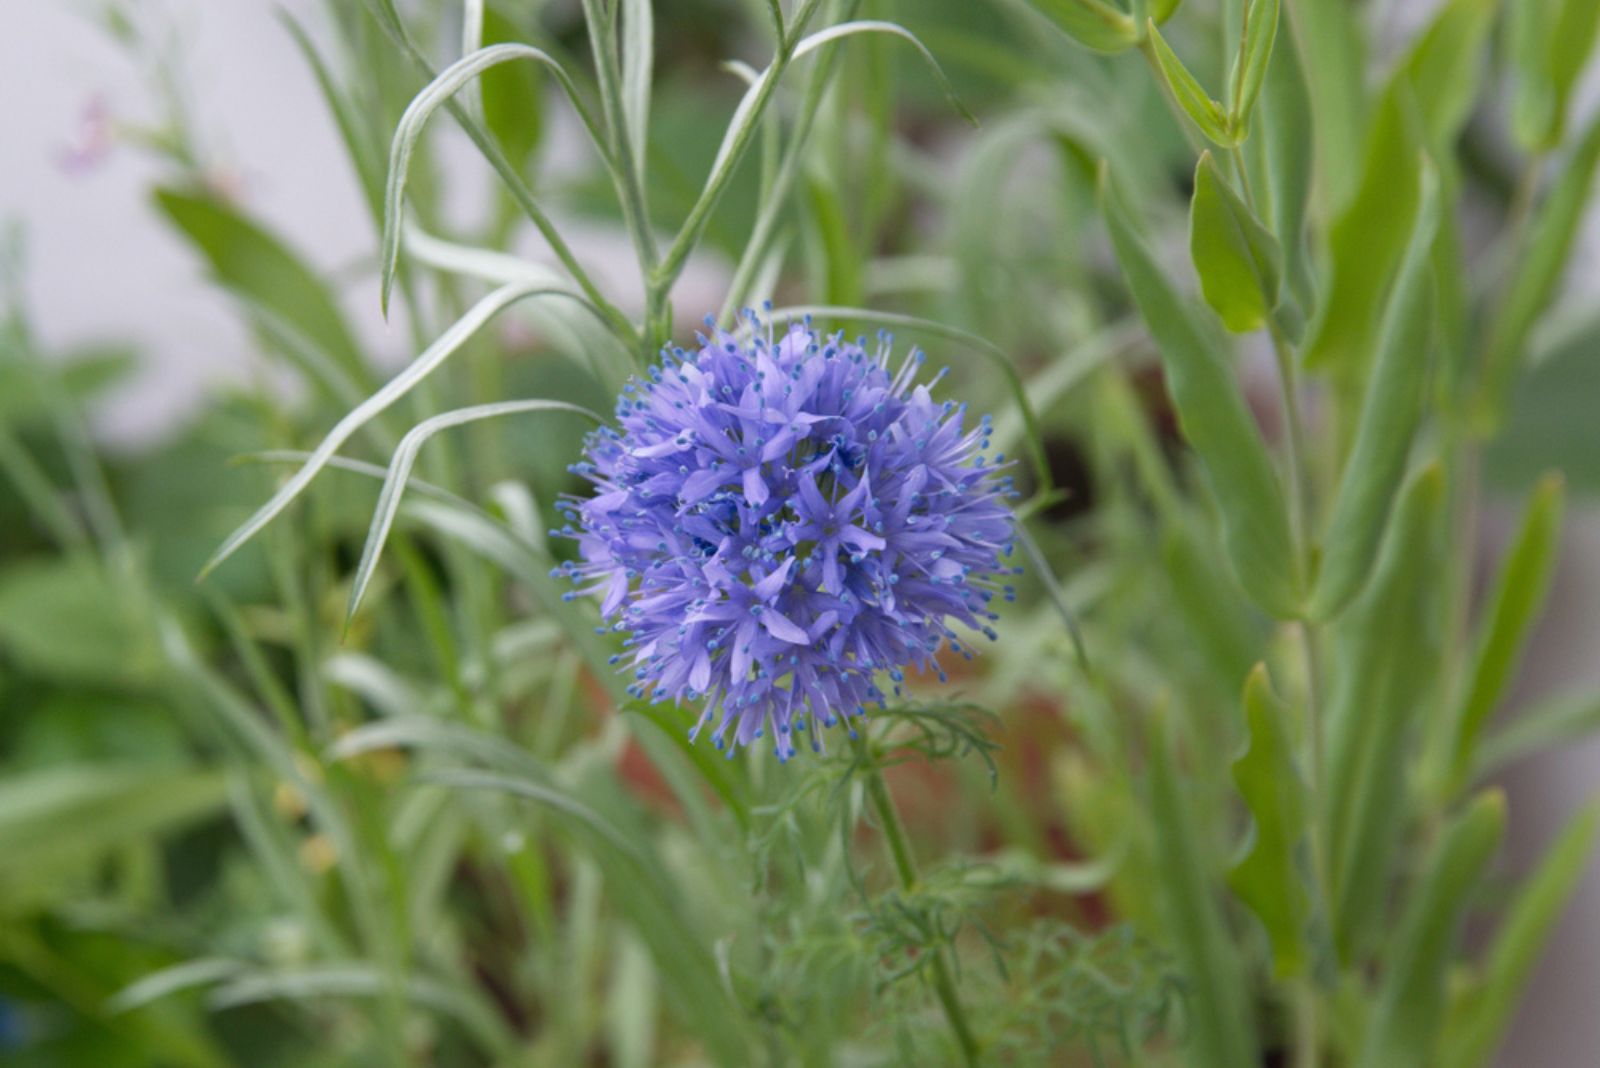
(848, 29)
(168, 981)
(436, 94)
(1483, 1015)
(405, 457)
(1332, 40)
(1550, 44)
(1288, 144)
(644, 892)
(1423, 107)
(1255, 54)
(549, 795)
(1389, 416)
(1546, 725)
(1190, 94)
(1095, 24)
(1543, 263)
(1217, 423)
(1518, 595)
(1268, 878)
(638, 59)
(1238, 260)
(1162, 10)
(1405, 1027)
(262, 270)
(401, 384)
(366, 155)
(1225, 629)
(1221, 1035)
(1387, 663)
(77, 814)
(315, 983)
(513, 100)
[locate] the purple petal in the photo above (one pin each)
(782, 627)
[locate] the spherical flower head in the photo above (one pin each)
(781, 521)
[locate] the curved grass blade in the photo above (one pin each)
(315, 982)
(550, 797)
(173, 980)
(436, 93)
(847, 29)
(405, 458)
(446, 345)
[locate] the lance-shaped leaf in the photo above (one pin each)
(1288, 145)
(1387, 664)
(513, 104)
(429, 361)
(1547, 724)
(437, 94)
(1189, 93)
(1255, 53)
(1268, 878)
(1389, 416)
(1423, 106)
(1238, 260)
(405, 458)
(1518, 594)
(1221, 1034)
(1216, 421)
(1479, 1020)
(1539, 272)
(638, 54)
(1550, 43)
(266, 275)
(1404, 1029)
(1094, 24)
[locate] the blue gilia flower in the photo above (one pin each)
(778, 521)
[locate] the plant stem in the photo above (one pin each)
(905, 865)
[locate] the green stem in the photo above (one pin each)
(894, 835)
(677, 254)
(629, 177)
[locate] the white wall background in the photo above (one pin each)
(101, 266)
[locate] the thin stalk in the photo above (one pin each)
(519, 190)
(629, 180)
(1308, 999)
(776, 197)
(677, 254)
(894, 836)
(1191, 132)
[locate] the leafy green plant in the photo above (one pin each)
(1220, 794)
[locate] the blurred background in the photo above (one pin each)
(107, 282)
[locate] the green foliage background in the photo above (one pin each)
(1265, 307)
